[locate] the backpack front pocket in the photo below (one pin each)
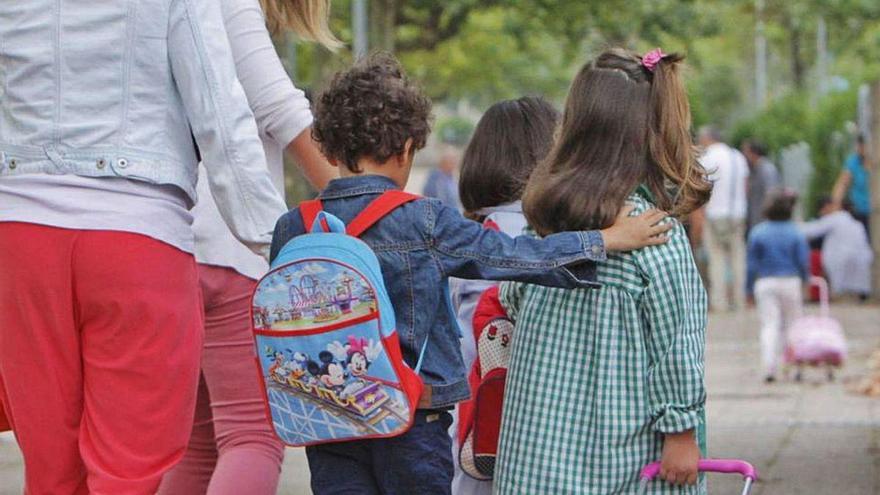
(327, 374)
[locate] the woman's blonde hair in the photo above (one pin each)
(307, 18)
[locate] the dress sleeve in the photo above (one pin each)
(674, 309)
(818, 228)
(753, 255)
(282, 111)
(510, 296)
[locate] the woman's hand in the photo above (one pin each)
(629, 233)
(680, 457)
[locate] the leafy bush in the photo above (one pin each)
(455, 130)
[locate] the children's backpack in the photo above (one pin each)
(327, 348)
(480, 417)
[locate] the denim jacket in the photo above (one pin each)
(423, 243)
(120, 88)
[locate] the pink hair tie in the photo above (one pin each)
(652, 58)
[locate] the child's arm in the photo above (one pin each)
(674, 309)
(817, 228)
(803, 256)
(678, 465)
(464, 249)
(752, 253)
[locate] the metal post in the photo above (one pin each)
(873, 141)
(359, 27)
(760, 56)
(822, 59)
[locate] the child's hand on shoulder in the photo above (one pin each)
(680, 457)
(629, 233)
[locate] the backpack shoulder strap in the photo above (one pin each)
(309, 211)
(375, 211)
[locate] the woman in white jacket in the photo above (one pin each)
(233, 449)
(100, 315)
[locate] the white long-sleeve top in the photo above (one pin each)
(282, 112)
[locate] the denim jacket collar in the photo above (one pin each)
(345, 187)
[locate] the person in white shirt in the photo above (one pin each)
(725, 220)
(233, 449)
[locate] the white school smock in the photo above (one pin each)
(846, 252)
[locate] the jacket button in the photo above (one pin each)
(122, 163)
(101, 163)
(12, 164)
(596, 250)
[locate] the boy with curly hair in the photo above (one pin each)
(369, 122)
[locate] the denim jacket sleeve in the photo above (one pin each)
(222, 123)
(464, 249)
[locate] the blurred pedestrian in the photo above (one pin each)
(854, 184)
(726, 211)
(763, 180)
(846, 252)
(441, 183)
(778, 263)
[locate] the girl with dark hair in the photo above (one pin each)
(777, 260)
(509, 141)
(602, 382)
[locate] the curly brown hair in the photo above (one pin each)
(370, 111)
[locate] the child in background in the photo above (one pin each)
(846, 250)
(510, 139)
(369, 122)
(603, 382)
(778, 260)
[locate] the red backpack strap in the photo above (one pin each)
(309, 211)
(375, 211)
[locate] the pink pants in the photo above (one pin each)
(99, 344)
(232, 450)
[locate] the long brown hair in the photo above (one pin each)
(623, 126)
(512, 137)
(307, 18)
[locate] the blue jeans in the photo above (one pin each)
(417, 462)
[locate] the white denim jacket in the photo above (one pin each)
(113, 88)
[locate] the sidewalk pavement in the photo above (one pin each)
(810, 438)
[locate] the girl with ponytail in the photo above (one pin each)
(604, 381)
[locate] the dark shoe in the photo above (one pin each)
(769, 379)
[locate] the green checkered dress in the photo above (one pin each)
(597, 376)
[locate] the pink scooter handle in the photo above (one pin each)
(729, 466)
